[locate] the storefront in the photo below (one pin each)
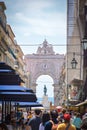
(76, 91)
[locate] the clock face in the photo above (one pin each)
(45, 66)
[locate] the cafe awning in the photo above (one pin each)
(10, 79)
(18, 96)
(16, 93)
(5, 71)
(82, 103)
(11, 88)
(77, 82)
(14, 88)
(8, 75)
(28, 104)
(4, 66)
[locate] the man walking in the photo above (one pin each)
(35, 121)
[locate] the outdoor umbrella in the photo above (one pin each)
(16, 93)
(29, 90)
(5, 71)
(10, 78)
(18, 96)
(28, 104)
(4, 66)
(59, 108)
(8, 75)
(11, 88)
(14, 88)
(15, 97)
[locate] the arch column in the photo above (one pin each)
(55, 94)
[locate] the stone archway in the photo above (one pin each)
(44, 86)
(44, 62)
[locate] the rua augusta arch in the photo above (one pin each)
(44, 62)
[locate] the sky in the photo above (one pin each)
(33, 21)
(45, 80)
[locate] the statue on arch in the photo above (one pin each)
(45, 90)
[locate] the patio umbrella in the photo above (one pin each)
(14, 88)
(10, 78)
(10, 88)
(8, 75)
(5, 71)
(15, 97)
(4, 66)
(59, 108)
(18, 96)
(29, 104)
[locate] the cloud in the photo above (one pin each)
(38, 17)
(33, 5)
(30, 6)
(31, 20)
(49, 24)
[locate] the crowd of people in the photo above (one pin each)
(54, 120)
(45, 120)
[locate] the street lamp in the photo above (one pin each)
(84, 42)
(74, 62)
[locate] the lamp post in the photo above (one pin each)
(74, 62)
(84, 42)
(84, 45)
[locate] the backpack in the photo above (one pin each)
(84, 123)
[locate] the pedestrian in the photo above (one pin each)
(3, 126)
(35, 121)
(53, 123)
(45, 118)
(73, 116)
(66, 124)
(61, 114)
(85, 114)
(77, 121)
(84, 120)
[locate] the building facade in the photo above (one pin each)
(45, 62)
(76, 35)
(10, 51)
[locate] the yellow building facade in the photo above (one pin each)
(10, 51)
